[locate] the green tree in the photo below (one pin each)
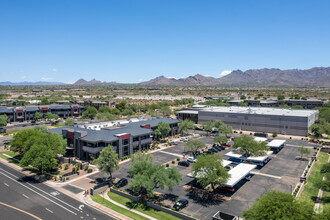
(185, 125)
(44, 101)
(50, 116)
(222, 128)
(141, 156)
(209, 170)
(43, 151)
(303, 150)
(41, 129)
(207, 126)
(90, 112)
(275, 205)
(23, 140)
(108, 160)
(3, 120)
(247, 146)
(147, 176)
(325, 184)
(69, 122)
(220, 139)
(166, 111)
(280, 97)
(316, 130)
(243, 97)
(162, 129)
(39, 156)
(194, 145)
(38, 116)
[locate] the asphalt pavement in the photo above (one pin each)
(38, 199)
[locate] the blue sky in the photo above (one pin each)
(134, 40)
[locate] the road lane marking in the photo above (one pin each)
(81, 207)
(6, 184)
(20, 210)
(48, 194)
(49, 210)
(25, 196)
(39, 194)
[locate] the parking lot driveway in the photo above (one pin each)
(301, 143)
(245, 197)
(285, 163)
(162, 158)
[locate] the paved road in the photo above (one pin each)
(38, 199)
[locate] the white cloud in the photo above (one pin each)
(140, 80)
(225, 73)
(22, 77)
(46, 78)
(54, 70)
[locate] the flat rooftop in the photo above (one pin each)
(262, 111)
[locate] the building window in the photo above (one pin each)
(135, 139)
(125, 142)
(125, 151)
(135, 149)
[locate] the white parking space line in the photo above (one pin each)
(267, 175)
(173, 154)
(49, 210)
(25, 196)
(6, 184)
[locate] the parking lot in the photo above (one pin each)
(281, 173)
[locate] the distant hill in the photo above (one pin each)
(40, 83)
(315, 77)
(91, 82)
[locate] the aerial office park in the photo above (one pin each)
(243, 167)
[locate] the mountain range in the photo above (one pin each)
(314, 77)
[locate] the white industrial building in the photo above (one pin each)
(257, 119)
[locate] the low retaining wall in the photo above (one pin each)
(154, 206)
(98, 190)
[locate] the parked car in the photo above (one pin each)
(184, 163)
(122, 182)
(6, 142)
(180, 204)
(226, 144)
(218, 148)
(222, 147)
(209, 151)
(214, 149)
(215, 134)
(191, 159)
(185, 139)
(174, 142)
(228, 189)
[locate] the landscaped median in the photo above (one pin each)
(310, 191)
(99, 199)
(141, 207)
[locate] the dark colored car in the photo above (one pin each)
(209, 151)
(122, 182)
(222, 147)
(214, 149)
(180, 204)
(184, 163)
(218, 148)
(227, 189)
(6, 142)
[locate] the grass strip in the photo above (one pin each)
(141, 207)
(310, 191)
(99, 199)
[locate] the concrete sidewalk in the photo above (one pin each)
(120, 205)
